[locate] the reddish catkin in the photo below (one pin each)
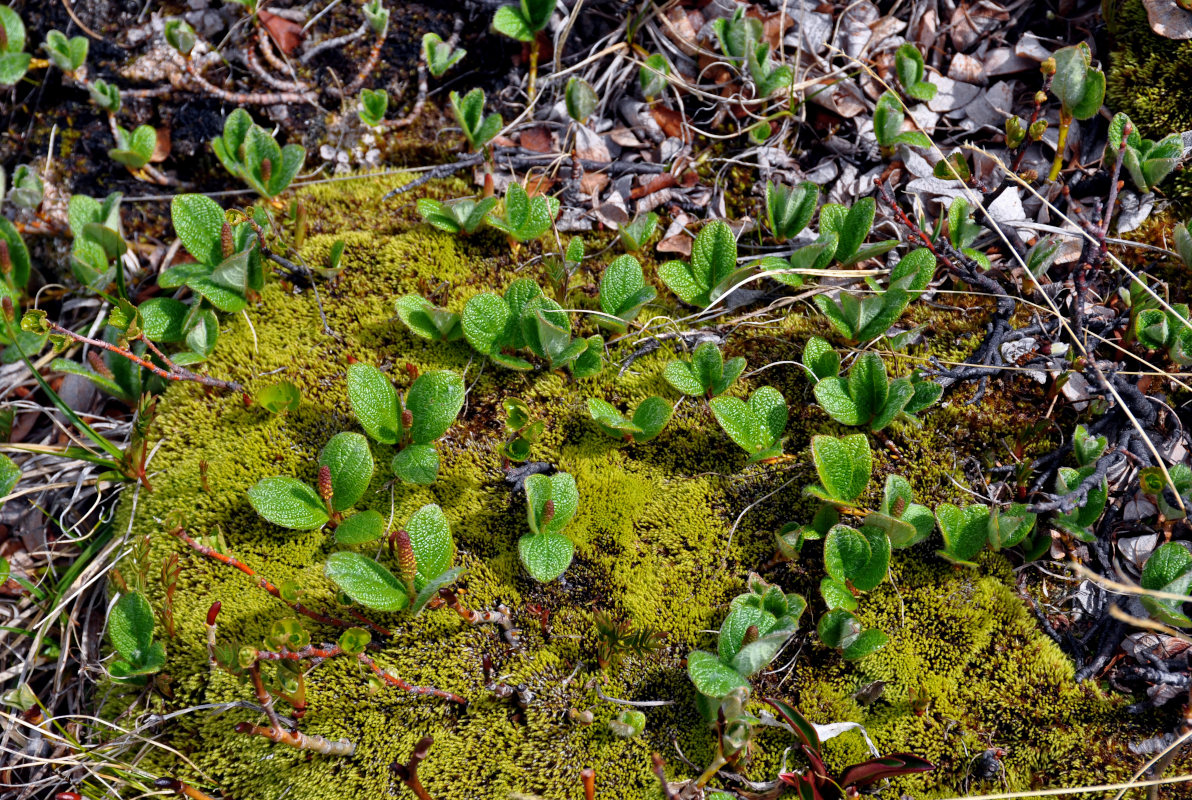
(98, 364)
(548, 512)
(898, 507)
(213, 612)
(326, 490)
(407, 418)
(751, 634)
(226, 245)
(5, 258)
(266, 169)
(406, 561)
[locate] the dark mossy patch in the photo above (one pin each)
(661, 540)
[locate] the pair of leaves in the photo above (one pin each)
(524, 20)
(458, 216)
(415, 421)
(1079, 87)
(428, 320)
(1147, 161)
(250, 153)
(888, 119)
(870, 398)
(963, 231)
(1157, 328)
(524, 430)
(706, 375)
(373, 586)
(623, 292)
(92, 223)
(789, 209)
(551, 502)
(439, 55)
(1079, 522)
(1169, 569)
(134, 148)
(66, 54)
(710, 272)
(290, 503)
(967, 530)
(768, 77)
(648, 419)
(908, 65)
(14, 62)
(841, 630)
(843, 231)
(525, 218)
(757, 425)
(860, 319)
(634, 235)
(853, 559)
(227, 265)
(844, 466)
(373, 107)
(478, 129)
(130, 629)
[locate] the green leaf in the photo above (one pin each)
(374, 402)
(424, 319)
(198, 220)
(289, 503)
(18, 254)
(430, 536)
(14, 30)
(908, 65)
(558, 489)
(866, 643)
(1169, 569)
(844, 465)
(580, 99)
(360, 528)
(965, 531)
(418, 464)
(846, 552)
(623, 289)
(1087, 448)
(611, 421)
(887, 119)
(279, 397)
(652, 77)
(484, 321)
(546, 556)
(868, 385)
(837, 595)
(10, 474)
(711, 676)
(366, 582)
(820, 359)
(757, 426)
(351, 464)
(833, 395)
(651, 417)
(682, 377)
(509, 21)
(434, 400)
(130, 627)
(855, 227)
(13, 67)
(430, 589)
(162, 319)
(900, 393)
(838, 628)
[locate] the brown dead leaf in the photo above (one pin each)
(682, 27)
(970, 21)
(538, 184)
(671, 122)
(285, 34)
(1168, 19)
(592, 183)
(162, 151)
(679, 243)
(656, 184)
(967, 70)
(537, 139)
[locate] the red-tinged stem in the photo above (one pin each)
(408, 772)
(331, 651)
(660, 771)
(231, 561)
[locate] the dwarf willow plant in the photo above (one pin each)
(66, 54)
(623, 293)
(464, 215)
(789, 209)
(345, 468)
(757, 425)
(1148, 162)
(868, 397)
(134, 148)
(862, 318)
(130, 630)
(427, 320)
(1087, 450)
(1160, 329)
(90, 222)
(1169, 569)
(758, 624)
(644, 424)
(27, 187)
(525, 218)
(523, 429)
(888, 119)
(251, 154)
(374, 105)
(551, 503)
(653, 77)
(909, 67)
(411, 422)
(423, 549)
(707, 375)
(710, 272)
(1079, 87)
(477, 128)
(439, 55)
(963, 231)
(636, 234)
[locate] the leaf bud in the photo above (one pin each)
(407, 418)
(1048, 67)
(213, 612)
(548, 512)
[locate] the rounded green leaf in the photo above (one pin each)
(681, 376)
(846, 552)
(366, 582)
(546, 556)
(620, 283)
(374, 401)
(435, 401)
(737, 623)
(417, 464)
(288, 502)
(714, 253)
(873, 572)
(768, 407)
(430, 536)
(837, 595)
(199, 220)
(130, 627)
(965, 530)
(163, 319)
(351, 464)
(18, 254)
(843, 465)
(735, 417)
(868, 385)
(711, 676)
(689, 284)
(558, 489)
(278, 397)
(366, 526)
(838, 628)
(866, 643)
(651, 417)
(833, 395)
(485, 318)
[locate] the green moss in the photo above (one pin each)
(660, 540)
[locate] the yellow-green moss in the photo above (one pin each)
(652, 541)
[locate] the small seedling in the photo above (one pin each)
(130, 630)
(478, 129)
(251, 153)
(617, 640)
(905, 522)
(706, 375)
(870, 398)
(1169, 569)
(711, 271)
(345, 470)
(27, 188)
(962, 231)
(1159, 329)
(636, 234)
(647, 421)
(1080, 89)
(428, 320)
(523, 429)
(66, 54)
(227, 264)
(279, 398)
(908, 64)
(965, 531)
(860, 319)
(846, 230)
(105, 96)
(888, 119)
(790, 208)
(756, 425)
(457, 216)
(551, 502)
(439, 55)
(628, 724)
(623, 293)
(767, 77)
(412, 422)
(134, 148)
(736, 34)
(653, 76)
(580, 99)
(88, 258)
(373, 107)
(844, 467)
(1148, 162)
(841, 630)
(525, 218)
